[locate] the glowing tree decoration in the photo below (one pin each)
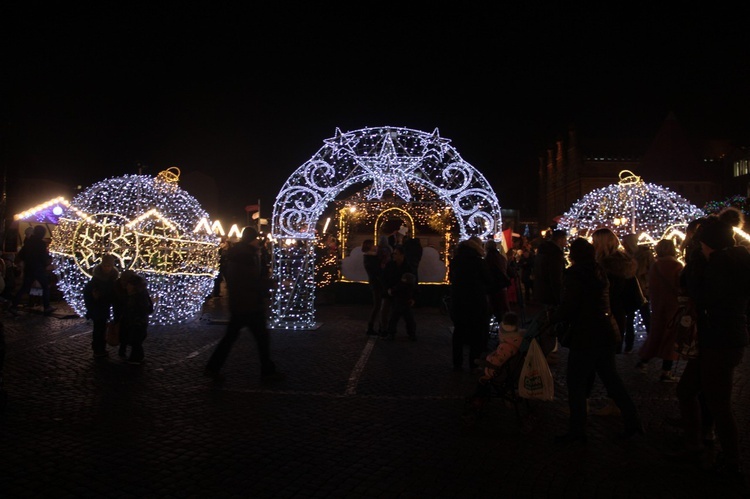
(631, 206)
(382, 159)
(147, 224)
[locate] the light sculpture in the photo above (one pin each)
(379, 159)
(147, 223)
(631, 206)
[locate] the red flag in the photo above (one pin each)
(508, 237)
(252, 207)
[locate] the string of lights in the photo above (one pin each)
(631, 206)
(147, 224)
(377, 160)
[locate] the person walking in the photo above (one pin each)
(99, 298)
(593, 334)
(132, 308)
(470, 283)
(664, 293)
(35, 259)
(248, 285)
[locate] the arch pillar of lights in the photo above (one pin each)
(387, 158)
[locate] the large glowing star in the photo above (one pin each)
(147, 224)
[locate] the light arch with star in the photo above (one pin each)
(387, 158)
(380, 159)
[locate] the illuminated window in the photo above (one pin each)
(741, 167)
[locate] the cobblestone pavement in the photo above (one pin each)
(355, 417)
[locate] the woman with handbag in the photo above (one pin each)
(625, 296)
(593, 336)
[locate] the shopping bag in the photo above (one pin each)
(536, 380)
(112, 336)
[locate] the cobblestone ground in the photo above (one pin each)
(355, 417)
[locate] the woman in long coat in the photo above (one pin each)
(585, 308)
(664, 291)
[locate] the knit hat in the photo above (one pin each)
(716, 234)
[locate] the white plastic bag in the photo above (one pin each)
(536, 380)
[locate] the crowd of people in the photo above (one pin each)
(590, 293)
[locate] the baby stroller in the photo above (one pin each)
(504, 383)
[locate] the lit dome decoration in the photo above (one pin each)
(147, 224)
(631, 206)
(381, 159)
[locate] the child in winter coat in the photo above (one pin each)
(99, 297)
(510, 338)
(509, 344)
(132, 308)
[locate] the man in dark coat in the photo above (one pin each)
(247, 286)
(36, 259)
(549, 265)
(721, 291)
(470, 283)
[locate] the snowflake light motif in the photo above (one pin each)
(147, 224)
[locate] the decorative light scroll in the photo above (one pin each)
(379, 159)
(388, 158)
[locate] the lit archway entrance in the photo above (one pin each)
(382, 159)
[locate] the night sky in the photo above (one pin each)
(247, 95)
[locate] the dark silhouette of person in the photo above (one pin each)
(132, 308)
(721, 292)
(593, 336)
(247, 286)
(413, 252)
(392, 274)
(470, 284)
(99, 296)
(549, 265)
(403, 295)
(35, 258)
(375, 282)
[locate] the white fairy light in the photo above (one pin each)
(379, 159)
(631, 206)
(147, 224)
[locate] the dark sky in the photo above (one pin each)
(248, 94)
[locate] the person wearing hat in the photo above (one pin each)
(721, 292)
(247, 287)
(99, 296)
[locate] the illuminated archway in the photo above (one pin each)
(382, 159)
(390, 211)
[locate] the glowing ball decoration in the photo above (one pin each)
(631, 206)
(148, 225)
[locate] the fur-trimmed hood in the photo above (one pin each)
(619, 264)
